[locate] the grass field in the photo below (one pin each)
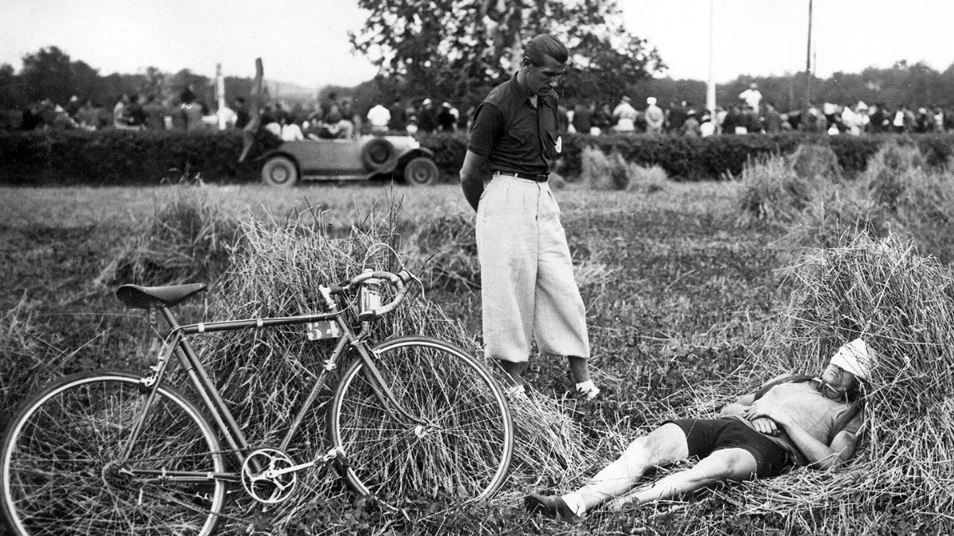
(678, 299)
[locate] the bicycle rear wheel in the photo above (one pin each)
(459, 445)
(61, 468)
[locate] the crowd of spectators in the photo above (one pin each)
(330, 118)
(336, 118)
(132, 112)
(750, 114)
(333, 117)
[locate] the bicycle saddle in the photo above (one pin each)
(144, 297)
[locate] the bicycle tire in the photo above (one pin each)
(465, 457)
(55, 464)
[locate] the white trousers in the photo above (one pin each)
(526, 274)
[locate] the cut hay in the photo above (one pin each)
(442, 250)
(26, 357)
(186, 240)
(773, 192)
(647, 180)
(903, 305)
(915, 203)
(888, 171)
(815, 162)
(264, 374)
(601, 171)
(831, 215)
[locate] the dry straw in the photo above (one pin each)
(26, 357)
(265, 374)
(772, 191)
(442, 250)
(601, 171)
(833, 213)
(896, 194)
(186, 240)
(903, 305)
(816, 162)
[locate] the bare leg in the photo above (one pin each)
(514, 369)
(663, 445)
(578, 368)
(721, 465)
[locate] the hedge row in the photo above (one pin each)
(127, 157)
(112, 157)
(712, 158)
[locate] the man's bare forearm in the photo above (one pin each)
(471, 178)
(818, 454)
(473, 189)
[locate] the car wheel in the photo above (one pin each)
(280, 171)
(377, 154)
(421, 171)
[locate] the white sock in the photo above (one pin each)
(575, 501)
(587, 386)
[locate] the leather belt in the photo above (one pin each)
(536, 177)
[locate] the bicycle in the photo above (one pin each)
(111, 452)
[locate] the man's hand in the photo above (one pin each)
(766, 426)
(765, 408)
(818, 454)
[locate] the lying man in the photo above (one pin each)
(790, 421)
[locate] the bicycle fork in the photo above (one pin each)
(384, 393)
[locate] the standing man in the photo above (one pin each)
(527, 286)
(752, 97)
(655, 117)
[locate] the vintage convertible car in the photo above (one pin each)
(363, 158)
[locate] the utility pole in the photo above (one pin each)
(220, 95)
(808, 60)
(710, 84)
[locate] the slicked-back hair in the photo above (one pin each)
(543, 45)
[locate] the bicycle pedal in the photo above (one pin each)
(342, 459)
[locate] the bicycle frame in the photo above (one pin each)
(177, 341)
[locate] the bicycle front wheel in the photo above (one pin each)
(454, 439)
(63, 472)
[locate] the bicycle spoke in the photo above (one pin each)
(63, 472)
(458, 444)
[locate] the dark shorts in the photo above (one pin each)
(705, 436)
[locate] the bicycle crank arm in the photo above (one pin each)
(325, 458)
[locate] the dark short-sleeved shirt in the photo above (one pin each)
(515, 136)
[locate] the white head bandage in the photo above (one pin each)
(855, 357)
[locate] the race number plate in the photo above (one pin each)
(326, 329)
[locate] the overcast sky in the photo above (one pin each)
(305, 41)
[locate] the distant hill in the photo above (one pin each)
(291, 92)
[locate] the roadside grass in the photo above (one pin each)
(681, 302)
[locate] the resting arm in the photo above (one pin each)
(737, 408)
(818, 454)
(471, 179)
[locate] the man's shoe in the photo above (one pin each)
(516, 392)
(552, 506)
(587, 390)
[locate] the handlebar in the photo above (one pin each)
(398, 281)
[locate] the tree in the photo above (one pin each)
(201, 86)
(154, 83)
(458, 49)
(10, 94)
(47, 74)
(610, 71)
(86, 82)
